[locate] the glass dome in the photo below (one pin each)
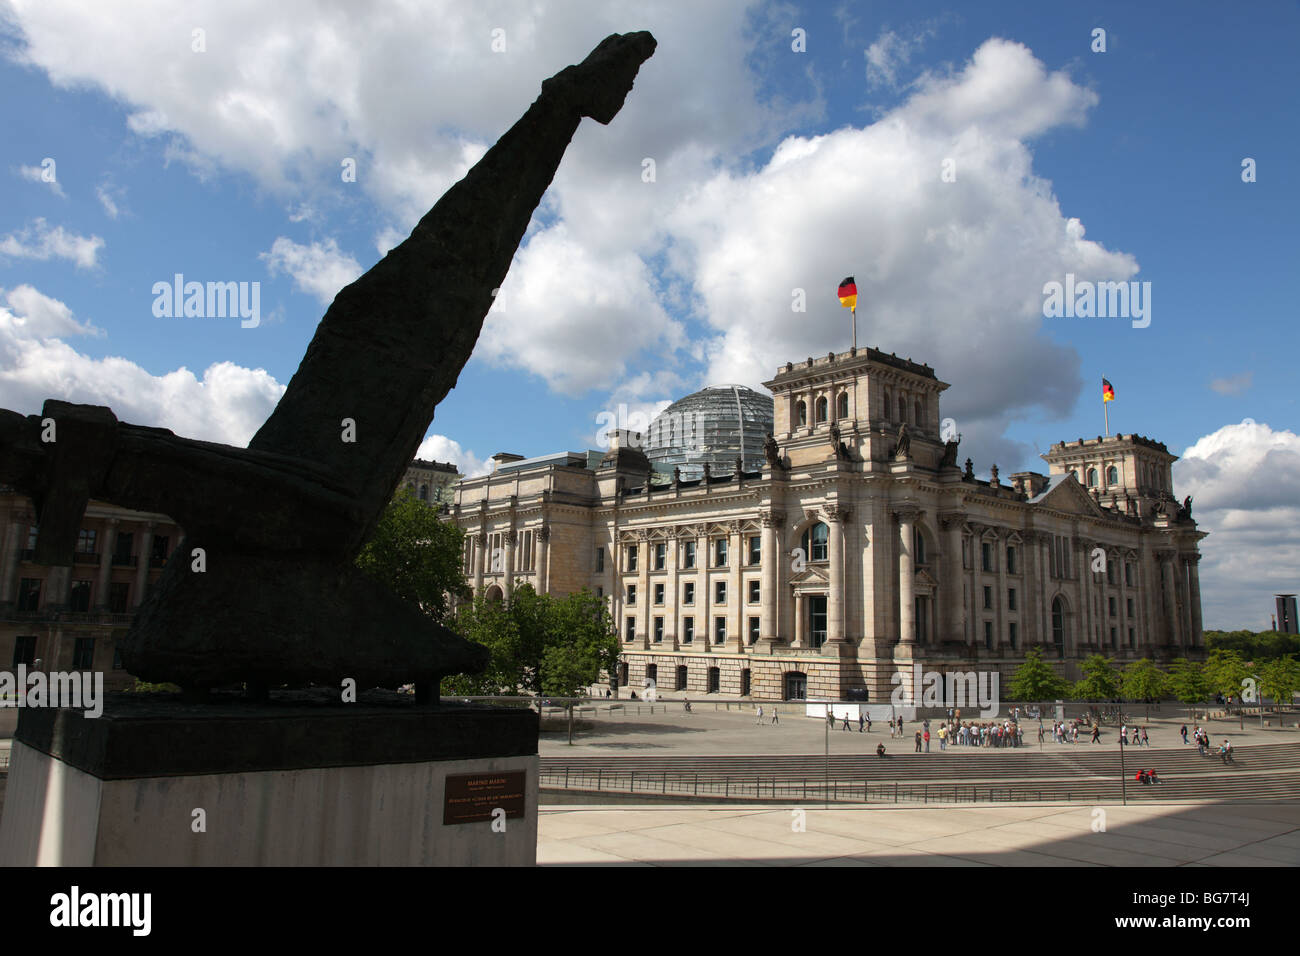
(713, 425)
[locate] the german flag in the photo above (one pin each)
(848, 294)
(1107, 392)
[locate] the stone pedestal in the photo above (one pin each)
(301, 780)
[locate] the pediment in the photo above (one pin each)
(812, 575)
(923, 577)
(1070, 497)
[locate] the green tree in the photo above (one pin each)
(1142, 680)
(417, 555)
(1224, 672)
(1035, 680)
(1100, 679)
(538, 644)
(1279, 679)
(1187, 682)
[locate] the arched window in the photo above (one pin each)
(1058, 626)
(1092, 477)
(919, 545)
(1112, 475)
(814, 542)
(842, 405)
(889, 407)
(424, 492)
(1074, 474)
(801, 413)
(821, 410)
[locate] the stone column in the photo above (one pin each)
(736, 585)
(771, 562)
(480, 545)
(17, 534)
(800, 621)
(703, 595)
(672, 594)
(106, 565)
(541, 549)
(836, 516)
(1194, 596)
(906, 576)
(643, 596)
(953, 585)
(142, 564)
(1000, 597)
(973, 586)
(1170, 609)
(1032, 612)
(509, 539)
(1082, 569)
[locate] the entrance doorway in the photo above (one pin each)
(796, 685)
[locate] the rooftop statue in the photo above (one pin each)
(278, 599)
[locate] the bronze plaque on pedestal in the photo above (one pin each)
(472, 797)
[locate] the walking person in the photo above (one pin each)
(862, 721)
(927, 741)
(943, 737)
(1183, 730)
(1041, 733)
(846, 721)
(830, 716)
(1096, 733)
(760, 715)
(1146, 741)
(868, 723)
(776, 717)
(918, 741)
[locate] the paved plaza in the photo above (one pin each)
(1137, 835)
(721, 726)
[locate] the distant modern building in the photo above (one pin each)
(1286, 616)
(853, 548)
(69, 618)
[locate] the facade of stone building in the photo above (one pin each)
(69, 618)
(859, 549)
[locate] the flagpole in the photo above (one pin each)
(854, 310)
(1105, 408)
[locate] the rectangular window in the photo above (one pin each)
(988, 635)
(719, 630)
(1130, 607)
(720, 592)
(661, 556)
(755, 591)
(86, 541)
(1011, 559)
(720, 553)
(988, 598)
(659, 630)
(160, 551)
(29, 594)
(753, 630)
(631, 557)
(1011, 599)
(600, 560)
(1112, 573)
(32, 533)
(600, 591)
(688, 630)
(25, 650)
(659, 594)
(83, 654)
(1128, 573)
(123, 545)
(630, 633)
(688, 554)
(688, 592)
(1112, 602)
(1114, 637)
(631, 594)
(1131, 639)
(756, 549)
(117, 658)
(1013, 633)
(79, 596)
(986, 556)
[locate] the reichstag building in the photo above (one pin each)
(812, 544)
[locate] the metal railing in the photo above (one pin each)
(810, 789)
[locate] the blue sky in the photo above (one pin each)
(218, 155)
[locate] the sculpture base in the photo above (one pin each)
(300, 780)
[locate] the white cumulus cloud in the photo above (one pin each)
(319, 269)
(39, 240)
